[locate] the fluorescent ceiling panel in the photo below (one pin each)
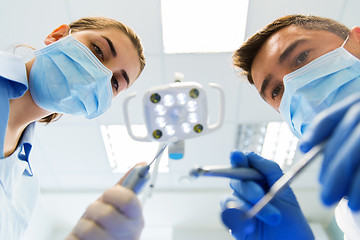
(203, 26)
(272, 140)
(279, 144)
(123, 152)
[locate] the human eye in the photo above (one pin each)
(301, 58)
(276, 91)
(98, 52)
(115, 83)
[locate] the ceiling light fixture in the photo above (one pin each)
(272, 140)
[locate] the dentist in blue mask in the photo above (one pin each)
(83, 66)
(308, 69)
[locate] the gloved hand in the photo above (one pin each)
(280, 219)
(340, 170)
(117, 214)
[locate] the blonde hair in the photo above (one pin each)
(99, 23)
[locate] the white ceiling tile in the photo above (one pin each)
(29, 22)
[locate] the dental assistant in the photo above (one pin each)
(83, 66)
(308, 69)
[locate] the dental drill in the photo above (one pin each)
(253, 175)
(139, 175)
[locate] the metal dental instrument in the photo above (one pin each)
(139, 175)
(247, 174)
(285, 179)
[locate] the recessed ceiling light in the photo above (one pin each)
(203, 25)
(123, 152)
(272, 140)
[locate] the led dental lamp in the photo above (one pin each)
(175, 112)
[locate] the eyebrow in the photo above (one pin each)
(126, 77)
(286, 53)
(264, 85)
(111, 45)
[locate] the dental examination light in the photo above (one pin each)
(173, 113)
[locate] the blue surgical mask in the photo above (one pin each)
(67, 77)
(317, 86)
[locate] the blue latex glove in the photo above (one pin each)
(340, 170)
(280, 219)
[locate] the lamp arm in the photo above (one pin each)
(127, 121)
(220, 121)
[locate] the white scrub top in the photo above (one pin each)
(348, 221)
(19, 186)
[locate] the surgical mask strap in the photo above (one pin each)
(346, 39)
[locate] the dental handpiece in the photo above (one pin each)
(246, 174)
(253, 175)
(139, 175)
(137, 178)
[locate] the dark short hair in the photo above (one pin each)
(244, 56)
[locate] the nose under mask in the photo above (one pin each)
(67, 77)
(317, 86)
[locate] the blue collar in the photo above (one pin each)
(13, 69)
(25, 146)
(14, 84)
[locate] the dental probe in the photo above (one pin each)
(139, 175)
(228, 172)
(285, 179)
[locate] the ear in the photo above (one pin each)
(354, 42)
(57, 34)
(355, 34)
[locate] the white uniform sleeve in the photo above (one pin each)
(348, 221)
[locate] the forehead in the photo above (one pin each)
(280, 39)
(117, 36)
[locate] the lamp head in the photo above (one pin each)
(175, 112)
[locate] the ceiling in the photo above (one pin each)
(69, 155)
